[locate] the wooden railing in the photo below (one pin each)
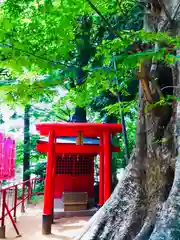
(16, 196)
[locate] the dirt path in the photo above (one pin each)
(30, 224)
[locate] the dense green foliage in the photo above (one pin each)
(41, 37)
(34, 157)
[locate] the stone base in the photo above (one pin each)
(59, 213)
(46, 224)
(2, 232)
(59, 210)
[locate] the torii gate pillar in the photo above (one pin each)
(107, 166)
(49, 183)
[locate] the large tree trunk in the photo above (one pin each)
(146, 202)
(85, 50)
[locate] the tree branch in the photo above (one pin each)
(39, 57)
(61, 118)
(69, 111)
(63, 111)
(49, 112)
(103, 18)
(144, 83)
(165, 11)
(176, 12)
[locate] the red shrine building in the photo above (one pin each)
(71, 149)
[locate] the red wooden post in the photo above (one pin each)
(23, 198)
(11, 218)
(2, 227)
(15, 202)
(101, 174)
(48, 191)
(29, 191)
(53, 181)
(34, 186)
(107, 166)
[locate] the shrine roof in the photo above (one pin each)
(71, 129)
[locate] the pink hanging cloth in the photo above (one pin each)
(7, 158)
(1, 155)
(13, 157)
(8, 145)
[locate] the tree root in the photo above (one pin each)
(130, 213)
(123, 203)
(167, 225)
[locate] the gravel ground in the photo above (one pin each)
(29, 225)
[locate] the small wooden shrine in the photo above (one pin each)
(71, 148)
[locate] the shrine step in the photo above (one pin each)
(60, 213)
(75, 201)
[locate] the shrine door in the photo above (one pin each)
(74, 173)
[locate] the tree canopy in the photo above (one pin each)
(43, 38)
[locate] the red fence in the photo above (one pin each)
(16, 196)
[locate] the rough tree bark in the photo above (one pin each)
(146, 203)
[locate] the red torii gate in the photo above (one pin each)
(79, 130)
